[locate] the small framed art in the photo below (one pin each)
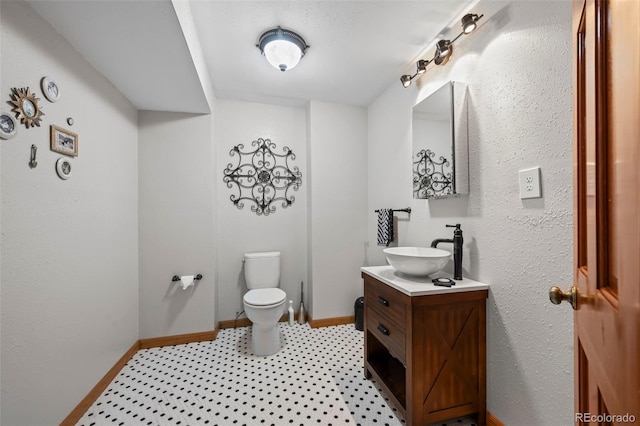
(50, 89)
(64, 141)
(8, 126)
(63, 168)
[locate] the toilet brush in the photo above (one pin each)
(302, 317)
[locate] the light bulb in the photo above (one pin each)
(282, 54)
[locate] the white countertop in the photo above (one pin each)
(420, 286)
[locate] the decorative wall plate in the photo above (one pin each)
(63, 167)
(50, 89)
(26, 107)
(8, 126)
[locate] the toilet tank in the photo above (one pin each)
(262, 270)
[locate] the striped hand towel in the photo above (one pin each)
(385, 227)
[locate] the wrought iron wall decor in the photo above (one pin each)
(262, 176)
(431, 177)
(440, 153)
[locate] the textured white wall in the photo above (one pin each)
(1, 245)
(519, 117)
(338, 196)
(69, 248)
(176, 210)
(242, 231)
(1, 387)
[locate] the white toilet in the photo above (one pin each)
(264, 302)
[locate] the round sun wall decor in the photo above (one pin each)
(26, 107)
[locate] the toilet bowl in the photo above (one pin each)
(264, 302)
(264, 307)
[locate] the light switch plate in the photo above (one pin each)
(529, 181)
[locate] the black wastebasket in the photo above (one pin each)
(359, 308)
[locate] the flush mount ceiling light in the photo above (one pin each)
(444, 49)
(282, 48)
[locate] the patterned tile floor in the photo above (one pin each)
(315, 379)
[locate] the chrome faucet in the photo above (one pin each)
(457, 249)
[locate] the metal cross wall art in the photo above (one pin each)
(431, 178)
(262, 177)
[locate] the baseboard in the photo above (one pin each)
(241, 322)
(328, 322)
(246, 322)
(179, 339)
(493, 420)
(155, 342)
(324, 322)
(97, 390)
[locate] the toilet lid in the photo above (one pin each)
(264, 296)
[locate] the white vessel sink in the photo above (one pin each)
(417, 260)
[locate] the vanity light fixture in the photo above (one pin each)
(406, 80)
(282, 48)
(470, 22)
(443, 52)
(421, 66)
(444, 49)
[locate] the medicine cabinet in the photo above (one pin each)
(440, 143)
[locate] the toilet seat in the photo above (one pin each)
(264, 297)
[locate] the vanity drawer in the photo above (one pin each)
(387, 300)
(387, 332)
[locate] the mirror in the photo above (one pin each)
(440, 144)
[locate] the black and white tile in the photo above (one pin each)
(315, 379)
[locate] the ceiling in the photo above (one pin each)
(358, 48)
(138, 45)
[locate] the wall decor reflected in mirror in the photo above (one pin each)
(440, 143)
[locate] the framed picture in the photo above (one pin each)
(50, 89)
(64, 141)
(8, 126)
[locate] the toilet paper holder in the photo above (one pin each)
(177, 278)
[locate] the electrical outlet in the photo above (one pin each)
(529, 182)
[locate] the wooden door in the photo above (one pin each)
(607, 211)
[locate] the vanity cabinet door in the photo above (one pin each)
(449, 354)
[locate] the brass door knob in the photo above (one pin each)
(558, 296)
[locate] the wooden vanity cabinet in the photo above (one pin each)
(427, 352)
